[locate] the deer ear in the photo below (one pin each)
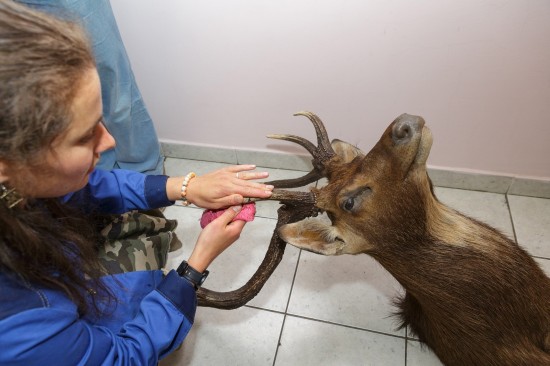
(312, 235)
(346, 151)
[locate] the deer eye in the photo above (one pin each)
(353, 201)
(348, 205)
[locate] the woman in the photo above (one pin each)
(56, 307)
(124, 109)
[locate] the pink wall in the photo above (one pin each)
(226, 73)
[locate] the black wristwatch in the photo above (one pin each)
(191, 274)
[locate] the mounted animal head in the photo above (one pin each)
(371, 199)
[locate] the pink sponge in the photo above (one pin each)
(247, 214)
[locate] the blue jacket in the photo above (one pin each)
(151, 317)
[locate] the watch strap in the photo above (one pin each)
(191, 274)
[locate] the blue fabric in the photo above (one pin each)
(124, 110)
(142, 327)
(151, 317)
(118, 191)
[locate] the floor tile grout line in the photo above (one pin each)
(405, 338)
(286, 308)
(349, 326)
(406, 347)
(406, 342)
(514, 227)
(511, 218)
(264, 309)
(236, 155)
(285, 313)
(479, 190)
(293, 281)
(279, 340)
(473, 190)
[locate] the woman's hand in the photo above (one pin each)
(215, 238)
(221, 188)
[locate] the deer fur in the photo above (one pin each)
(472, 295)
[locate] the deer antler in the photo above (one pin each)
(321, 153)
(295, 207)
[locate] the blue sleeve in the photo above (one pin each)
(56, 334)
(118, 191)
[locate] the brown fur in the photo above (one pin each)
(473, 296)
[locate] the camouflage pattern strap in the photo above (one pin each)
(136, 241)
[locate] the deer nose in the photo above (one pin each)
(405, 127)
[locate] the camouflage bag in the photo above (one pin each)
(136, 241)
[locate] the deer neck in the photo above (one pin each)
(423, 258)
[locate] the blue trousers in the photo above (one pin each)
(124, 111)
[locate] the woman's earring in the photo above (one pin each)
(9, 196)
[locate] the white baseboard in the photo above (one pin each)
(504, 184)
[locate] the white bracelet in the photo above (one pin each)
(186, 180)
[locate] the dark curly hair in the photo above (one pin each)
(42, 62)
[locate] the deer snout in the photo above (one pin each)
(405, 127)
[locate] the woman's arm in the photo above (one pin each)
(132, 331)
(118, 191)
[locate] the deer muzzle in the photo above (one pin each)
(405, 127)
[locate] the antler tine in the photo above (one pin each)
(298, 140)
(322, 136)
(321, 153)
(310, 177)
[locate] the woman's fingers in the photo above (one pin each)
(246, 188)
(232, 200)
(244, 172)
(215, 238)
(227, 187)
(257, 192)
(230, 214)
(240, 168)
(232, 228)
(237, 226)
(251, 175)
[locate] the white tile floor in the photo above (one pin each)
(318, 310)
